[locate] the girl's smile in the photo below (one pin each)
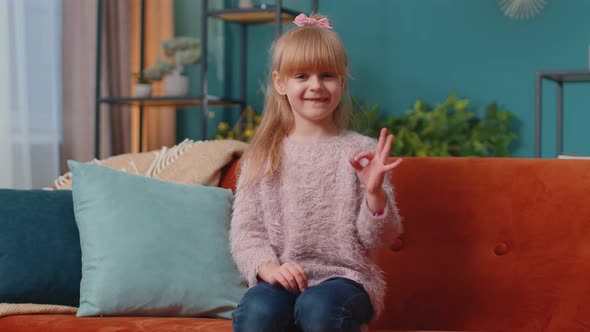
(317, 99)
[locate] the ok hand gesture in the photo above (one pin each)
(373, 173)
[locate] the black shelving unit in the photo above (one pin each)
(264, 14)
(560, 77)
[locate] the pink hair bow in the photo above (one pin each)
(303, 19)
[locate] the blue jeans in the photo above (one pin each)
(337, 304)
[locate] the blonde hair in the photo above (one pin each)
(305, 48)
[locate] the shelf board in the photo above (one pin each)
(567, 75)
(188, 101)
(254, 15)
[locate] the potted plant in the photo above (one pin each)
(180, 51)
(449, 129)
(143, 86)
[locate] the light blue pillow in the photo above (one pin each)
(153, 248)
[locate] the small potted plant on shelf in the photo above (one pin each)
(181, 51)
(143, 86)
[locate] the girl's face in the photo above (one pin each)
(313, 96)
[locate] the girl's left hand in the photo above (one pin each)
(373, 173)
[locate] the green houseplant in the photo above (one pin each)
(181, 51)
(448, 129)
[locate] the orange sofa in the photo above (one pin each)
(490, 245)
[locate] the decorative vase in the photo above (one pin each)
(176, 84)
(245, 3)
(143, 90)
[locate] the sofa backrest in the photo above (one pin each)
(490, 244)
(229, 175)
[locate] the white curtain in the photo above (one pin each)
(30, 93)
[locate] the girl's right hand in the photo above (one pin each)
(290, 275)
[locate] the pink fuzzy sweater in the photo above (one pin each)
(314, 212)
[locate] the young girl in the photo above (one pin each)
(314, 200)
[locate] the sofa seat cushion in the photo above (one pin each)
(71, 323)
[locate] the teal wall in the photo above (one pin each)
(402, 50)
(223, 67)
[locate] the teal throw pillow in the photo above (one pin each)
(153, 248)
(39, 247)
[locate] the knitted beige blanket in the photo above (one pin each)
(188, 163)
(9, 309)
